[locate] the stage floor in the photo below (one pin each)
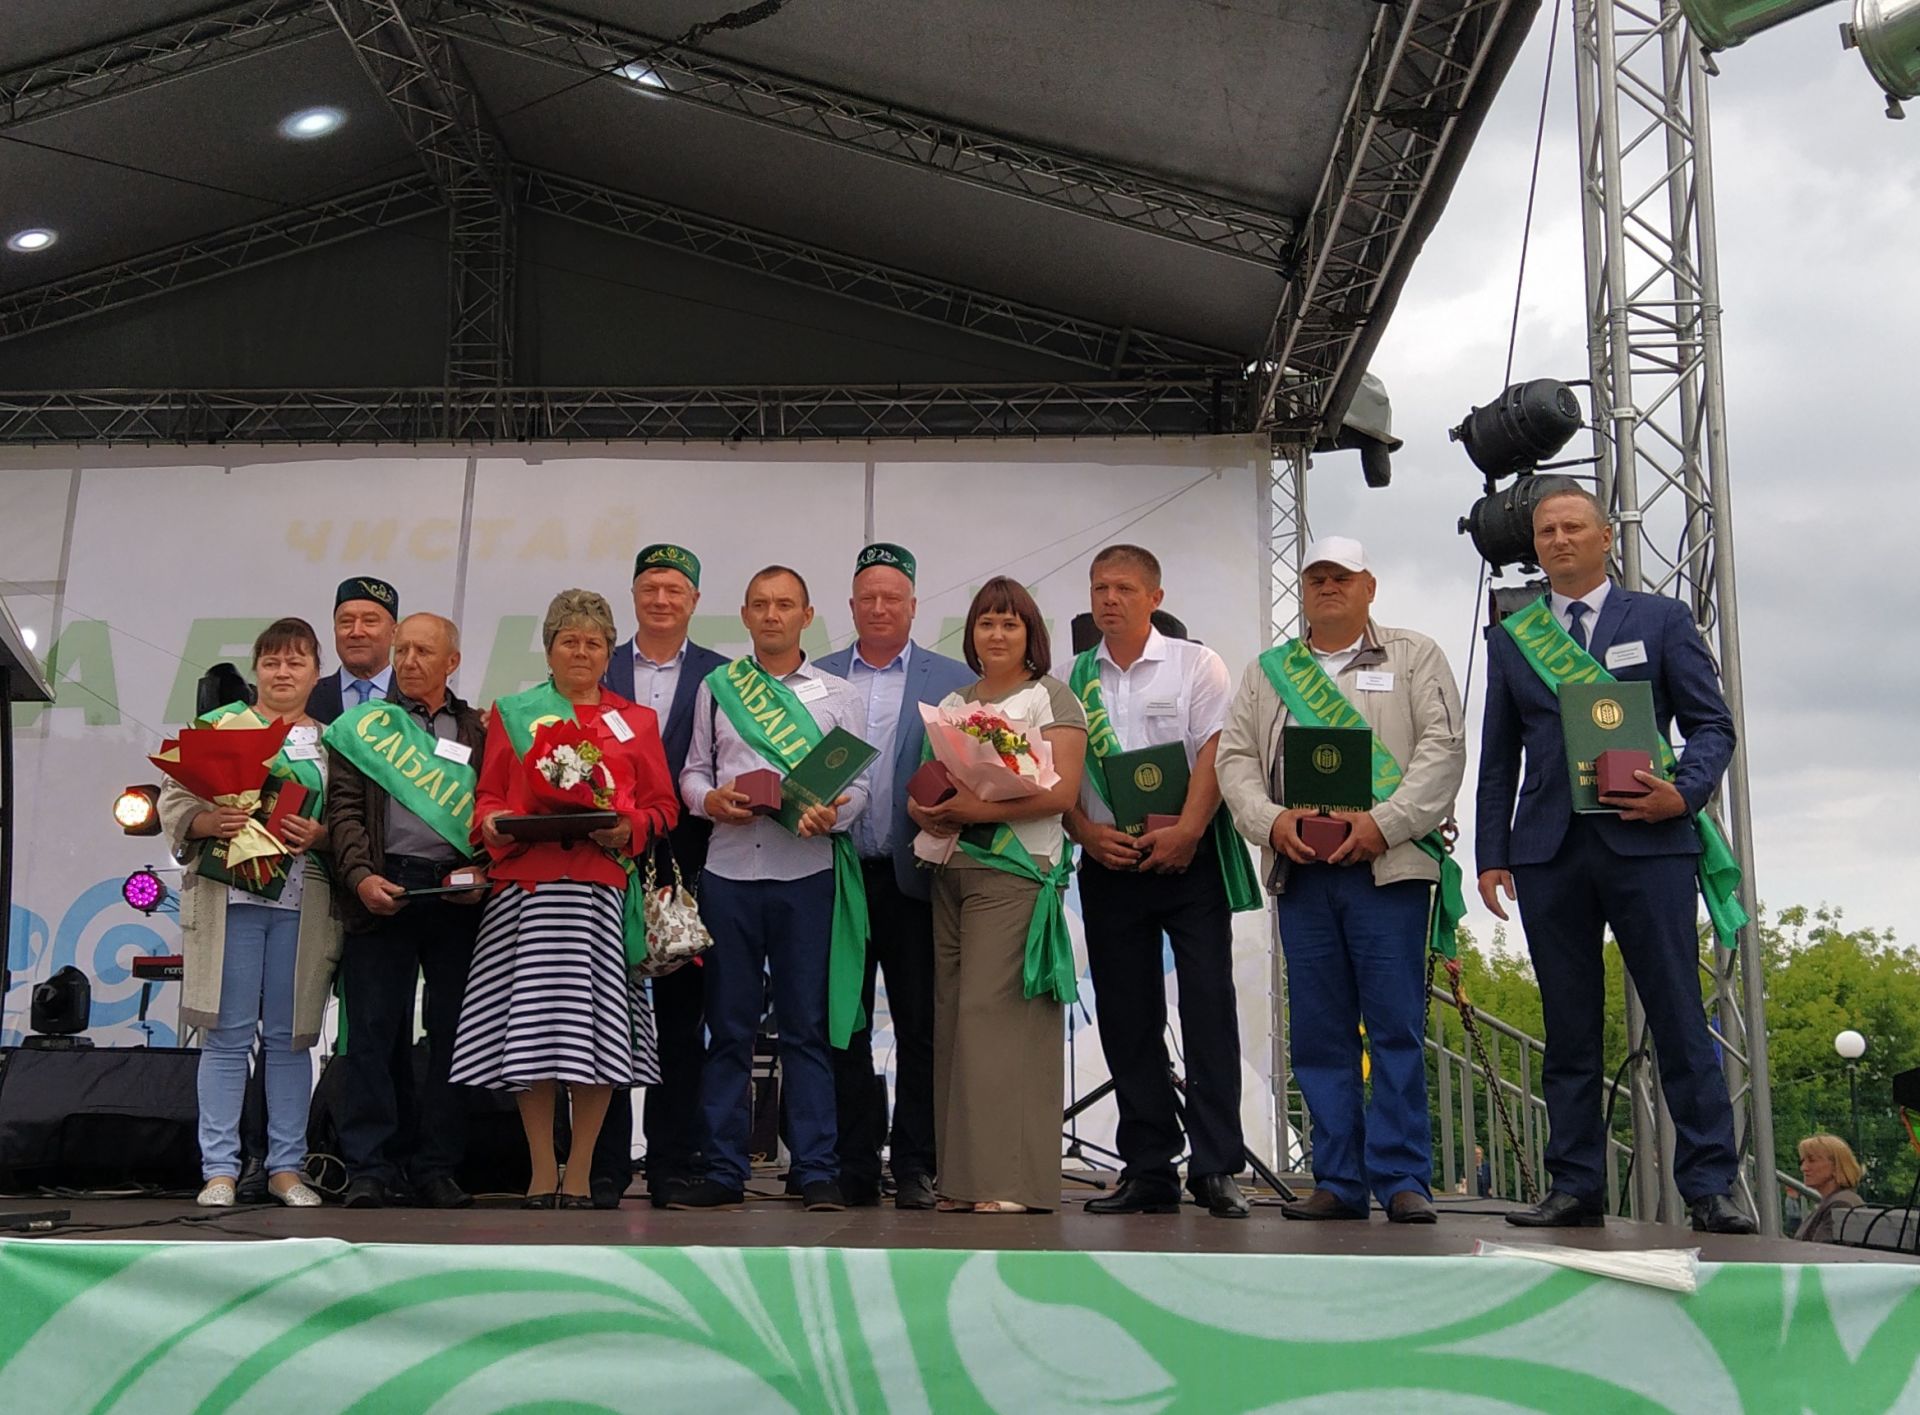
(773, 1221)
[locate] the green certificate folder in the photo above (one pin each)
(823, 775)
(1149, 782)
(1327, 768)
(1599, 717)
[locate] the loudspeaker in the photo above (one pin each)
(100, 1117)
(1906, 1089)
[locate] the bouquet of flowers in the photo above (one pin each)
(567, 771)
(228, 764)
(997, 757)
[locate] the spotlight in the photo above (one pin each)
(137, 809)
(1520, 429)
(1887, 34)
(218, 686)
(311, 123)
(1721, 24)
(645, 77)
(1501, 522)
(63, 1004)
(37, 238)
(144, 891)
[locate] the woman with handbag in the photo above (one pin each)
(551, 999)
(253, 960)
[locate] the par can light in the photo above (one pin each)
(1501, 522)
(1521, 428)
(144, 891)
(137, 810)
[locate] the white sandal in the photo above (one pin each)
(296, 1195)
(217, 1193)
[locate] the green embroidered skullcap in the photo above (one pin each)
(661, 556)
(367, 587)
(886, 553)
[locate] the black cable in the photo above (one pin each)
(1606, 1125)
(1533, 186)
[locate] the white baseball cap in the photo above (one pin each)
(1343, 551)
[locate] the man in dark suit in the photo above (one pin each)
(1576, 875)
(659, 668)
(365, 613)
(893, 676)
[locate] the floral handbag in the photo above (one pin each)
(675, 934)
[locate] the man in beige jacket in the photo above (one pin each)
(1354, 925)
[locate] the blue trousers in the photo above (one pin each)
(1356, 952)
(785, 925)
(1566, 906)
(256, 987)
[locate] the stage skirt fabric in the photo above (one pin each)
(549, 997)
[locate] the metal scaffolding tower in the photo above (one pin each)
(1653, 322)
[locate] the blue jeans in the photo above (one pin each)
(1356, 952)
(786, 924)
(256, 986)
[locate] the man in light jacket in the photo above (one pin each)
(1354, 926)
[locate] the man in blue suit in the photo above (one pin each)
(892, 676)
(1576, 875)
(366, 613)
(659, 668)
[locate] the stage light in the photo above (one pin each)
(36, 238)
(32, 639)
(644, 77)
(1721, 24)
(144, 890)
(137, 809)
(1887, 34)
(62, 1005)
(311, 123)
(1520, 429)
(1501, 522)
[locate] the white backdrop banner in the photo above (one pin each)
(134, 571)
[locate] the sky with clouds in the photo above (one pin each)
(1818, 197)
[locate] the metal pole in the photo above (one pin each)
(1853, 1095)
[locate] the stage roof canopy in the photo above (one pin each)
(429, 219)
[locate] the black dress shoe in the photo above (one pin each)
(860, 1196)
(1220, 1196)
(915, 1192)
(1560, 1210)
(1411, 1206)
(607, 1193)
(705, 1194)
(1321, 1206)
(823, 1196)
(442, 1192)
(365, 1193)
(1717, 1214)
(1137, 1196)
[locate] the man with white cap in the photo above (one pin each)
(1356, 925)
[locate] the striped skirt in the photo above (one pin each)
(549, 997)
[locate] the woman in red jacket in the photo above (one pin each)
(550, 999)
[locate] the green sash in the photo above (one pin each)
(1551, 652)
(397, 753)
(1315, 699)
(524, 714)
(1236, 868)
(776, 724)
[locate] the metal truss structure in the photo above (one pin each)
(1653, 319)
(1408, 123)
(949, 149)
(1114, 408)
(426, 86)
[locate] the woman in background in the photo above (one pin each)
(1827, 1164)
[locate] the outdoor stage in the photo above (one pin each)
(773, 1308)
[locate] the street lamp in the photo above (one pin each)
(1852, 1046)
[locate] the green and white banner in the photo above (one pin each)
(320, 1325)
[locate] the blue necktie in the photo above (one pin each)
(363, 687)
(1577, 612)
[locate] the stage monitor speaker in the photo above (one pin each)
(1906, 1089)
(101, 1117)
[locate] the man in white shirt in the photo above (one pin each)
(1136, 888)
(767, 896)
(366, 612)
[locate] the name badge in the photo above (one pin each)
(617, 725)
(301, 751)
(1371, 680)
(810, 690)
(1162, 707)
(453, 751)
(1627, 655)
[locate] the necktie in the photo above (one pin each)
(363, 687)
(1577, 612)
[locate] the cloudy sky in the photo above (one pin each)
(1819, 206)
